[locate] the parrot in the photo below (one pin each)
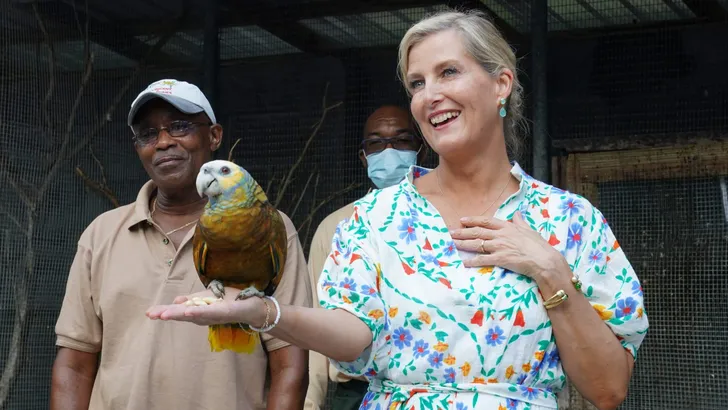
(240, 241)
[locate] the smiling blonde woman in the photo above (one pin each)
(473, 285)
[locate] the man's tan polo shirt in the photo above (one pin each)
(124, 265)
(319, 366)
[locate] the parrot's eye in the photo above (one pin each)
(225, 170)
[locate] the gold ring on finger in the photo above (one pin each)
(482, 245)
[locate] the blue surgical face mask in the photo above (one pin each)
(389, 167)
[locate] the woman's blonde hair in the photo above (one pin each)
(486, 45)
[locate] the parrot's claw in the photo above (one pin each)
(249, 292)
(217, 288)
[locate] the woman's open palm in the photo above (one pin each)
(215, 311)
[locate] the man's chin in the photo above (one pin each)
(174, 179)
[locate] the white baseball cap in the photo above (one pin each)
(182, 95)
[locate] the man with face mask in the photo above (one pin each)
(389, 147)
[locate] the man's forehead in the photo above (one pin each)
(387, 122)
(387, 129)
(157, 107)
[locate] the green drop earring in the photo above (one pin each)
(502, 111)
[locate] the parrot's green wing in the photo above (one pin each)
(199, 255)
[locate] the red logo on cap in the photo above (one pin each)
(162, 90)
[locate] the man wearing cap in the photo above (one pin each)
(111, 356)
(389, 147)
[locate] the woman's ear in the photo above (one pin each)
(504, 83)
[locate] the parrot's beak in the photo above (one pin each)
(206, 184)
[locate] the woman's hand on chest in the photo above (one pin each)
(511, 245)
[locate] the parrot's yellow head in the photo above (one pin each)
(225, 178)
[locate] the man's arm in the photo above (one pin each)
(72, 379)
(318, 381)
(289, 378)
(288, 364)
(79, 333)
(318, 364)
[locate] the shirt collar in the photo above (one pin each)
(525, 186)
(141, 212)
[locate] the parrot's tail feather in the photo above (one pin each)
(232, 337)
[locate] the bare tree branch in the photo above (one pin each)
(14, 220)
(270, 183)
(21, 311)
(101, 187)
(103, 121)
(20, 283)
(67, 134)
(326, 200)
(98, 163)
(51, 69)
(87, 39)
(106, 117)
(288, 179)
(78, 22)
(65, 152)
(305, 236)
(303, 193)
(230, 153)
(315, 188)
(18, 191)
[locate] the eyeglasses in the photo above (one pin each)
(401, 142)
(175, 129)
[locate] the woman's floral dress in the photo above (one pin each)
(450, 337)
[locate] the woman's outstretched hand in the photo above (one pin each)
(218, 311)
(510, 245)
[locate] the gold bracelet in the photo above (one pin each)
(556, 299)
(267, 317)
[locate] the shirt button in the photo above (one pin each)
(165, 241)
(169, 262)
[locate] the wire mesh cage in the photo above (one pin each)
(295, 83)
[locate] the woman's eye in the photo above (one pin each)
(449, 71)
(416, 83)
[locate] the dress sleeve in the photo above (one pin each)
(350, 281)
(608, 280)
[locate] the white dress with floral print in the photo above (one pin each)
(450, 337)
